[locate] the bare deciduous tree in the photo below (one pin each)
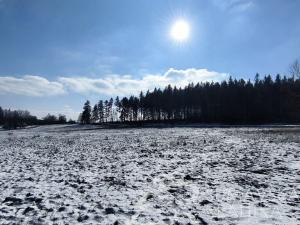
(295, 69)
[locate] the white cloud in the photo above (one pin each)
(110, 85)
(126, 84)
(85, 84)
(30, 86)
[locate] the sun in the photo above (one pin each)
(180, 30)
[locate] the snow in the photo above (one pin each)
(83, 174)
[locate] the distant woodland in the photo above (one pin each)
(12, 119)
(265, 100)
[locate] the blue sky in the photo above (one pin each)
(56, 54)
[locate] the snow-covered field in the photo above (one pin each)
(84, 175)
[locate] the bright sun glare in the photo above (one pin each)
(180, 31)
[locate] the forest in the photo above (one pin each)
(12, 119)
(232, 101)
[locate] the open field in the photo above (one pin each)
(85, 175)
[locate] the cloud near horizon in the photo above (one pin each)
(110, 85)
(30, 85)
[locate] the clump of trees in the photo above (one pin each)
(264, 100)
(52, 119)
(102, 112)
(12, 119)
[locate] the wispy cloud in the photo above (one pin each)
(29, 85)
(234, 5)
(110, 85)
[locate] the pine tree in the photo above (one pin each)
(110, 109)
(124, 109)
(118, 106)
(106, 110)
(1, 116)
(101, 111)
(141, 105)
(95, 114)
(86, 114)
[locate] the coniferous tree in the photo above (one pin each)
(110, 109)
(1, 116)
(141, 105)
(118, 106)
(95, 114)
(101, 111)
(86, 113)
(106, 110)
(124, 115)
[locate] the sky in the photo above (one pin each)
(54, 54)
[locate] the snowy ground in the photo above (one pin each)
(84, 175)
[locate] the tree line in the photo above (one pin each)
(12, 119)
(264, 100)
